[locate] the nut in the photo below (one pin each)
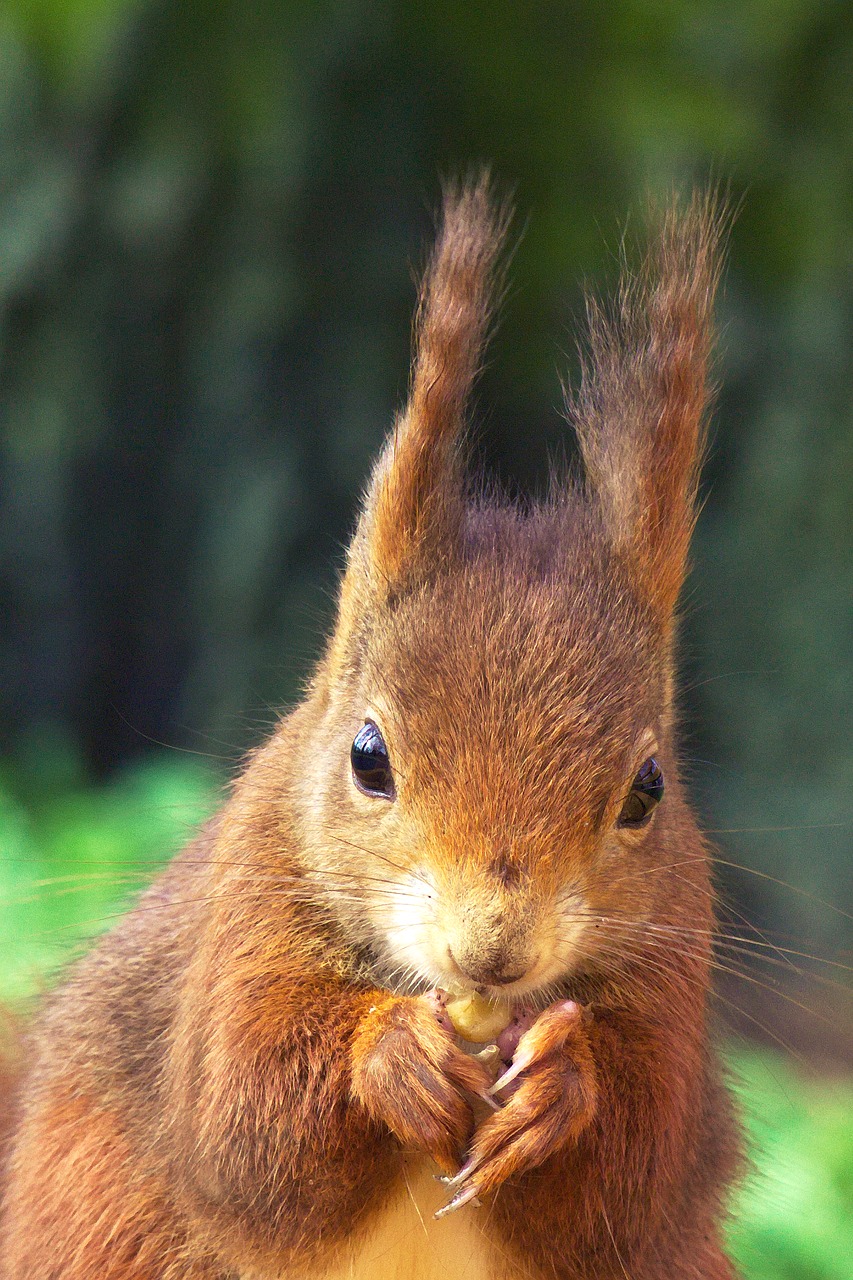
(478, 1019)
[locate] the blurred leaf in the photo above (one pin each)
(793, 1218)
(72, 855)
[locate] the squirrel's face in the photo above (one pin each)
(484, 793)
(490, 727)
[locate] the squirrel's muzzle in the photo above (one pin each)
(496, 970)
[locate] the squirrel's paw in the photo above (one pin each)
(408, 1072)
(551, 1093)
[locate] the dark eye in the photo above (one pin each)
(646, 793)
(371, 768)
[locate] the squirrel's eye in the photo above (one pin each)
(371, 768)
(646, 792)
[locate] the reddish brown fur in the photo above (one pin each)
(226, 1085)
(416, 505)
(647, 367)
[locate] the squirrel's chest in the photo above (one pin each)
(404, 1242)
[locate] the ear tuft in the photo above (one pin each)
(640, 409)
(414, 509)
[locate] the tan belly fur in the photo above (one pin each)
(406, 1243)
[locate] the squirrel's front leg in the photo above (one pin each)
(593, 1140)
(290, 1112)
(408, 1072)
(550, 1094)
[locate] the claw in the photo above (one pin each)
(463, 1175)
(466, 1196)
(519, 1063)
(486, 1096)
(437, 1000)
(490, 1056)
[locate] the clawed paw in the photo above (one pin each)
(549, 1090)
(409, 1073)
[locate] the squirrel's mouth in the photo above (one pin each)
(508, 986)
(490, 977)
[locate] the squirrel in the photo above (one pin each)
(255, 1075)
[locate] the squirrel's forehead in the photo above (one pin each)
(500, 648)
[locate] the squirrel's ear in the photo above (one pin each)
(640, 409)
(413, 511)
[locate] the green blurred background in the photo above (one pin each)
(208, 214)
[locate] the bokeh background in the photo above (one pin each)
(209, 213)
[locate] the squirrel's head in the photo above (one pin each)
(491, 770)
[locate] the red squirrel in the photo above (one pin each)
(254, 1076)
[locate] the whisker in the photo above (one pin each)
(799, 826)
(248, 891)
(382, 858)
(748, 924)
(652, 966)
(804, 893)
(643, 946)
(718, 934)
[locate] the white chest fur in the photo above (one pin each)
(404, 1242)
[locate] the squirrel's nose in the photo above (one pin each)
(491, 974)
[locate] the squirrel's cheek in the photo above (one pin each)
(404, 919)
